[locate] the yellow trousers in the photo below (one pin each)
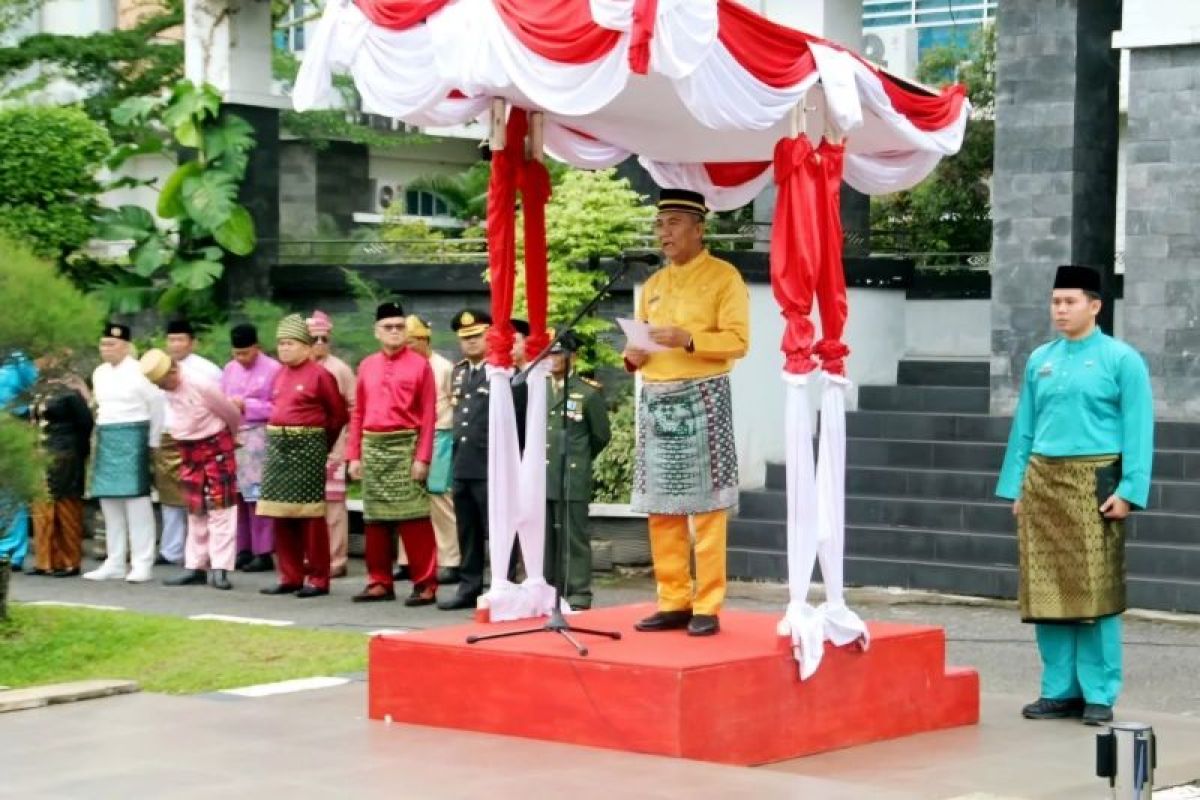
(671, 547)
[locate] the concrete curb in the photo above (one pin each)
(55, 693)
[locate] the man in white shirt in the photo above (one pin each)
(181, 342)
(128, 425)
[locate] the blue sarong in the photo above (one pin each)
(121, 461)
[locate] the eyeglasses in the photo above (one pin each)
(321, 339)
(399, 326)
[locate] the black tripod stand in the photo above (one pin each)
(557, 623)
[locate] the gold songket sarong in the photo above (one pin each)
(293, 483)
(389, 492)
(1072, 558)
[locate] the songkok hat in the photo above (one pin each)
(155, 365)
(292, 327)
(520, 326)
(1074, 277)
(388, 310)
(569, 343)
(319, 324)
(469, 322)
(420, 328)
(180, 326)
(115, 330)
(682, 200)
(244, 335)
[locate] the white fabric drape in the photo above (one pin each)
(695, 177)
(837, 68)
(568, 146)
(517, 498)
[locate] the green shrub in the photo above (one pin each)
(613, 470)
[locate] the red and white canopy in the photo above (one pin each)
(700, 90)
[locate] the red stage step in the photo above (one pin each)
(734, 698)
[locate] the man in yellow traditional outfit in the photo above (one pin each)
(685, 476)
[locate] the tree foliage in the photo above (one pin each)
(48, 160)
(951, 210)
(176, 267)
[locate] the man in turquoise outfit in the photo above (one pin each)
(17, 375)
(1078, 461)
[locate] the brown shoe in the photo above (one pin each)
(421, 597)
(375, 593)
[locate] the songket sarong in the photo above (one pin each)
(1072, 559)
(121, 461)
(167, 480)
(389, 492)
(251, 455)
(208, 473)
(686, 461)
(441, 473)
(293, 484)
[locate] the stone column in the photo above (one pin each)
(250, 276)
(1161, 306)
(1055, 178)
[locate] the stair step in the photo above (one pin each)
(931, 483)
(924, 425)
(937, 399)
(922, 453)
(925, 372)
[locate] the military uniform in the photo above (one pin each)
(588, 434)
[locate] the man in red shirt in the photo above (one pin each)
(307, 414)
(203, 424)
(389, 448)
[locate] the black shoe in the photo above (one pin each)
(189, 577)
(220, 580)
(262, 563)
(161, 561)
(421, 597)
(375, 593)
(311, 591)
(401, 573)
(65, 573)
(447, 575)
(282, 588)
(665, 621)
(1096, 714)
(704, 625)
(1045, 708)
(243, 558)
(458, 601)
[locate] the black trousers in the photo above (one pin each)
(471, 513)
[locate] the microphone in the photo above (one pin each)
(648, 259)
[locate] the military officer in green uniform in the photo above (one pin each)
(587, 435)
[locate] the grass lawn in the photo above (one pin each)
(164, 654)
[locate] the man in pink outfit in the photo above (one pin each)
(204, 423)
(337, 518)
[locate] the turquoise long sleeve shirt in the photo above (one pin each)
(1084, 398)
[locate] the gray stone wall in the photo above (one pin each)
(297, 190)
(1162, 224)
(1055, 177)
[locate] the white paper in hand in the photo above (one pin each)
(637, 335)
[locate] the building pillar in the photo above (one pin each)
(1054, 184)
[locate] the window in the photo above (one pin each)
(424, 204)
(292, 36)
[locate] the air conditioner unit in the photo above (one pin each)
(387, 196)
(894, 49)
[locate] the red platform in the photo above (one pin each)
(734, 698)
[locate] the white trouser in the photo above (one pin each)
(174, 533)
(128, 530)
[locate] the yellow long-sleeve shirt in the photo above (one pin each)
(706, 297)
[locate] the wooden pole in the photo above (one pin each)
(498, 123)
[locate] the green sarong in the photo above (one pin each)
(293, 484)
(441, 474)
(121, 461)
(1072, 558)
(389, 492)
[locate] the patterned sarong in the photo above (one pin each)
(686, 459)
(389, 492)
(208, 473)
(441, 473)
(1072, 558)
(251, 455)
(167, 480)
(293, 483)
(121, 461)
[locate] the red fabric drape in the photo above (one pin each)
(776, 55)
(926, 112)
(560, 30)
(831, 277)
(399, 15)
(513, 172)
(806, 253)
(795, 246)
(727, 174)
(644, 14)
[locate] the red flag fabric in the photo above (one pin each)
(831, 278)
(796, 246)
(399, 15)
(560, 30)
(644, 13)
(774, 54)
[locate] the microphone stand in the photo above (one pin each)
(557, 622)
